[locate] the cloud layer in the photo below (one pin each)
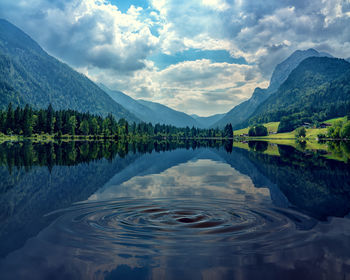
(86, 33)
(117, 46)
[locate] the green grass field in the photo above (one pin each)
(311, 133)
(332, 121)
(271, 127)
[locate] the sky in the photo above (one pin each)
(198, 56)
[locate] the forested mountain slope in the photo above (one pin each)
(29, 75)
(318, 89)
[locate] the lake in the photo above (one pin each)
(189, 210)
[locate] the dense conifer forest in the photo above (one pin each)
(29, 122)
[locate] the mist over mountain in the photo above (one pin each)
(28, 75)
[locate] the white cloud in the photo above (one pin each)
(258, 31)
(204, 42)
(200, 86)
(86, 33)
(333, 10)
(190, 23)
(217, 5)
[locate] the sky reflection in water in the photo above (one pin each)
(197, 178)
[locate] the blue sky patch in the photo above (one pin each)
(162, 60)
(124, 5)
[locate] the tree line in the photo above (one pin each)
(28, 122)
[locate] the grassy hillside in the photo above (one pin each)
(311, 133)
(332, 121)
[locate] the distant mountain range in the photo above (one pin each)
(130, 104)
(208, 121)
(158, 113)
(243, 111)
(150, 111)
(169, 116)
(29, 75)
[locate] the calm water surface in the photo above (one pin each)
(165, 211)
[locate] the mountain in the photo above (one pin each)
(319, 88)
(29, 75)
(166, 115)
(243, 111)
(207, 121)
(151, 111)
(282, 70)
(140, 111)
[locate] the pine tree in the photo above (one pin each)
(50, 120)
(58, 122)
(72, 124)
(41, 122)
(106, 126)
(10, 120)
(94, 126)
(2, 122)
(228, 132)
(17, 121)
(27, 122)
(126, 128)
(84, 127)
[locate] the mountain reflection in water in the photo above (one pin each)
(191, 210)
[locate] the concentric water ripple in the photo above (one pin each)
(159, 223)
